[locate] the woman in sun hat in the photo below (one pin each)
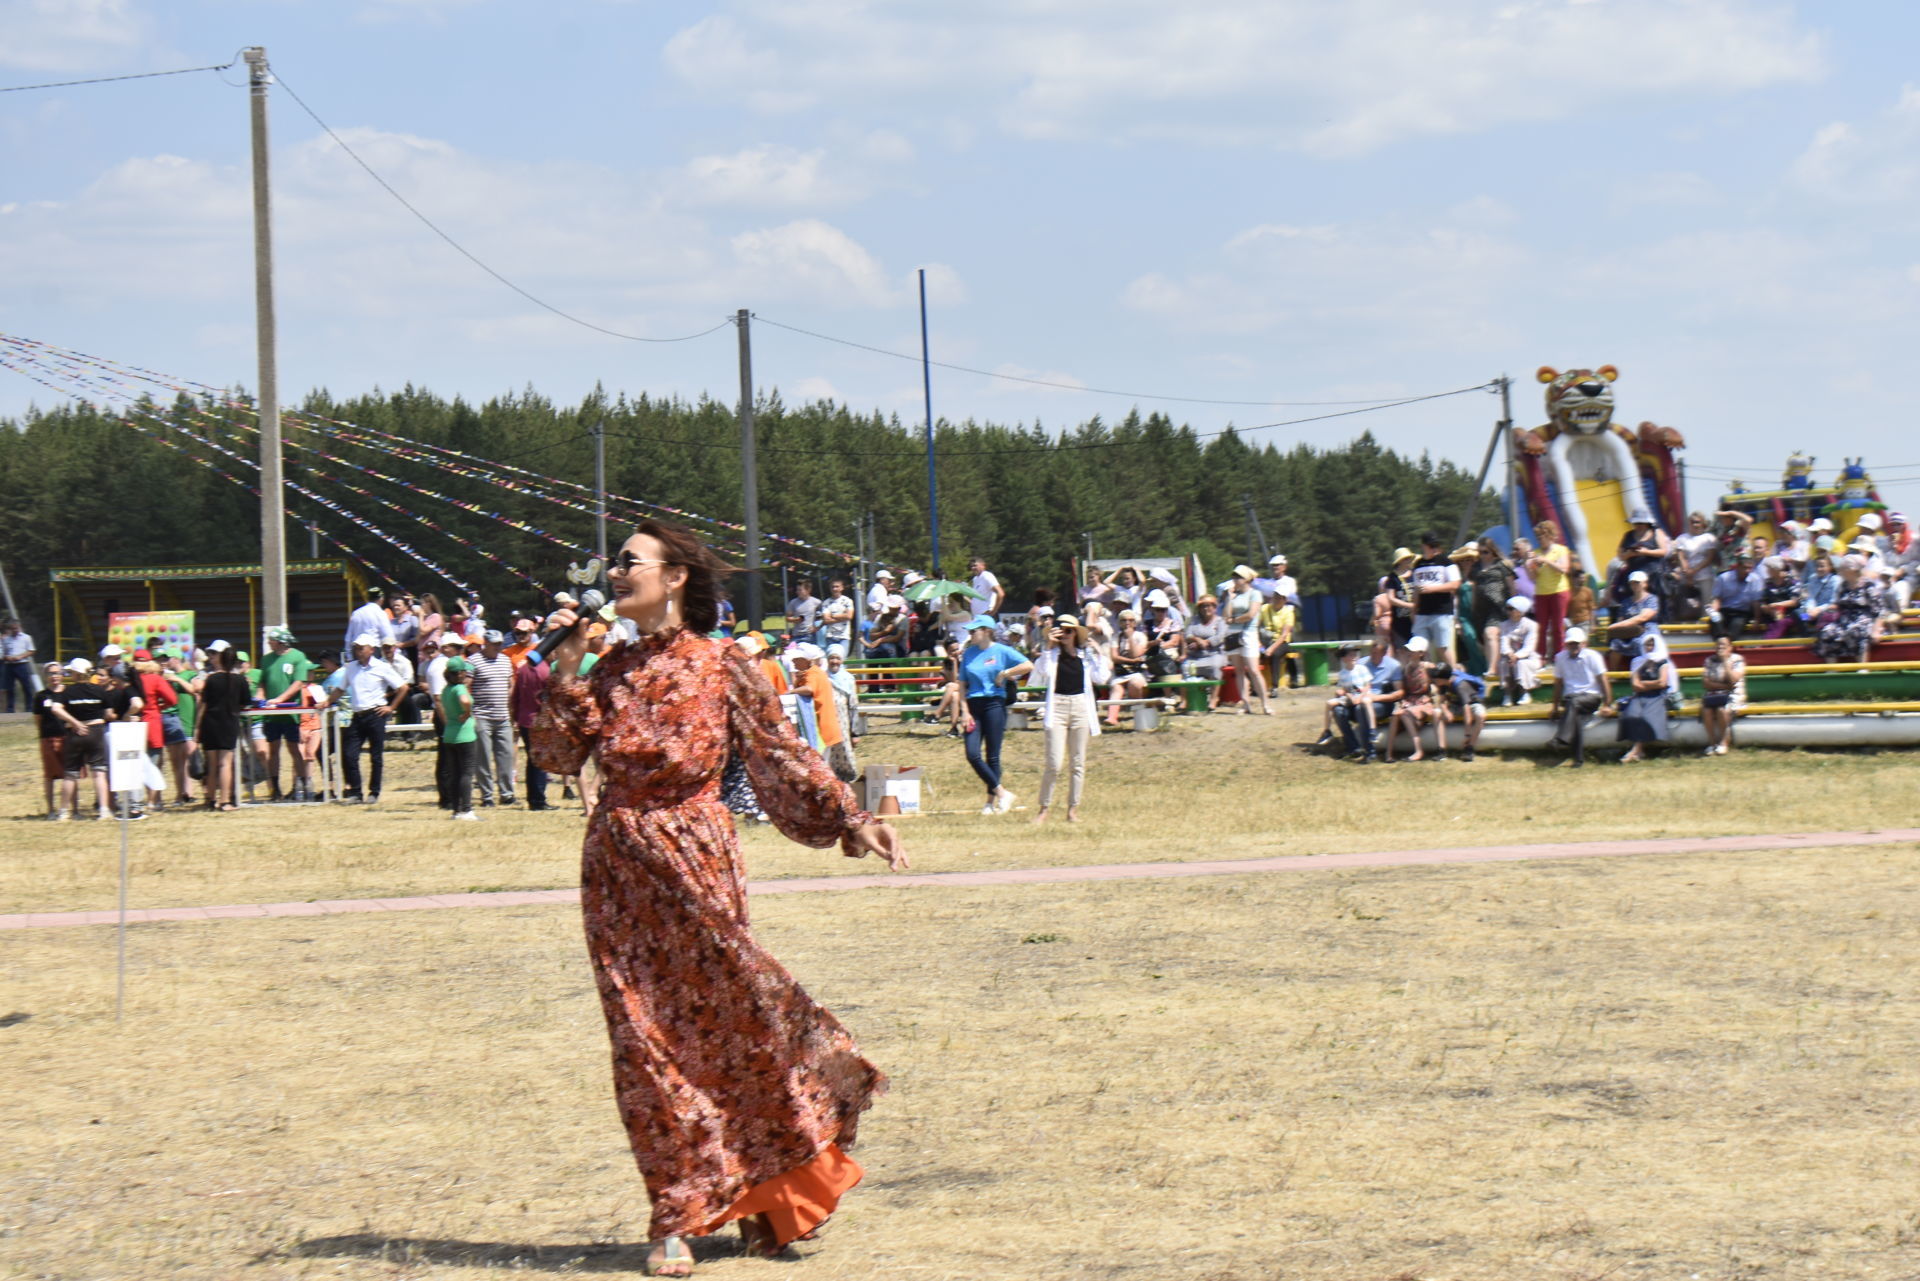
(738, 1092)
(1242, 612)
(1069, 669)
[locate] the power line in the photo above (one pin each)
(102, 80)
(462, 250)
(1080, 387)
(1051, 447)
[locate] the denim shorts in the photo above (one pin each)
(171, 730)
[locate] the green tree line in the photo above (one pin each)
(78, 486)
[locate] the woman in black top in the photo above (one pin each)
(223, 696)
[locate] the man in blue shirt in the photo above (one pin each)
(990, 673)
(1735, 595)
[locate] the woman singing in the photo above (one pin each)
(738, 1092)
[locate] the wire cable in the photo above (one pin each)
(1081, 387)
(462, 250)
(1051, 446)
(102, 80)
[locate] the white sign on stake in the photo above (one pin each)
(126, 772)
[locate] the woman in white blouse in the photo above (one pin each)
(1069, 668)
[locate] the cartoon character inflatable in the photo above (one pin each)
(1589, 475)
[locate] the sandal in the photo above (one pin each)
(757, 1236)
(675, 1259)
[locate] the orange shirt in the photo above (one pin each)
(518, 653)
(776, 674)
(825, 712)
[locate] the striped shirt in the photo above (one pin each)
(492, 686)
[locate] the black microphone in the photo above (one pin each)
(591, 601)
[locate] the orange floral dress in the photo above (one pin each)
(736, 1089)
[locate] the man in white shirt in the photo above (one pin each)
(16, 660)
(992, 596)
(370, 619)
(877, 595)
(836, 620)
(1580, 687)
(1279, 585)
(374, 691)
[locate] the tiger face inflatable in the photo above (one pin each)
(1580, 401)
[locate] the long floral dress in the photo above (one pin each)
(1845, 640)
(730, 1080)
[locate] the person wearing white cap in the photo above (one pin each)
(374, 692)
(1636, 616)
(1242, 614)
(1581, 687)
(1419, 703)
(883, 580)
(810, 681)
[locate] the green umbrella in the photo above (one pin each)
(928, 588)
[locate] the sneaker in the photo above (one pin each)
(507, 800)
(1366, 759)
(61, 816)
(1437, 756)
(1526, 697)
(988, 809)
(1324, 739)
(1003, 801)
(466, 816)
(373, 799)
(136, 816)
(1467, 755)
(103, 817)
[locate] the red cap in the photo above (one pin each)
(142, 656)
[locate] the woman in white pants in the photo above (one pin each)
(1069, 668)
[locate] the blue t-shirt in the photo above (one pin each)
(1386, 674)
(983, 668)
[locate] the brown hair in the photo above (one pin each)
(706, 572)
(1547, 529)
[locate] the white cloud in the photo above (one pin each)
(815, 259)
(763, 175)
(1663, 190)
(1871, 164)
(84, 36)
(1333, 79)
(808, 390)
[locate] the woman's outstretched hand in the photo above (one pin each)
(881, 839)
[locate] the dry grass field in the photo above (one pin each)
(1204, 787)
(1683, 1066)
(1651, 1068)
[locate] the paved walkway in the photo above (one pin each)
(1014, 876)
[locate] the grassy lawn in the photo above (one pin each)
(1204, 787)
(1673, 1067)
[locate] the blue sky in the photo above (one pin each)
(1261, 201)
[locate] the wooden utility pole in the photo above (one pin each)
(600, 490)
(749, 614)
(273, 494)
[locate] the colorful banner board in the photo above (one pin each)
(173, 628)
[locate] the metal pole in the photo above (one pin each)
(600, 490)
(926, 386)
(313, 541)
(273, 496)
(1480, 481)
(1513, 469)
(749, 478)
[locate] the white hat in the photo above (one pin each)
(218, 646)
(913, 576)
(1276, 559)
(1157, 599)
(883, 573)
(1822, 525)
(367, 638)
(111, 651)
(1522, 603)
(1417, 645)
(750, 643)
(1578, 634)
(1871, 521)
(812, 653)
(1638, 576)
(896, 601)
(1863, 545)
(1161, 576)
(1824, 543)
(1242, 571)
(79, 667)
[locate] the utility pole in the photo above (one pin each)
(749, 477)
(273, 493)
(599, 431)
(926, 386)
(1501, 431)
(1513, 472)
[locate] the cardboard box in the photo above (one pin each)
(903, 784)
